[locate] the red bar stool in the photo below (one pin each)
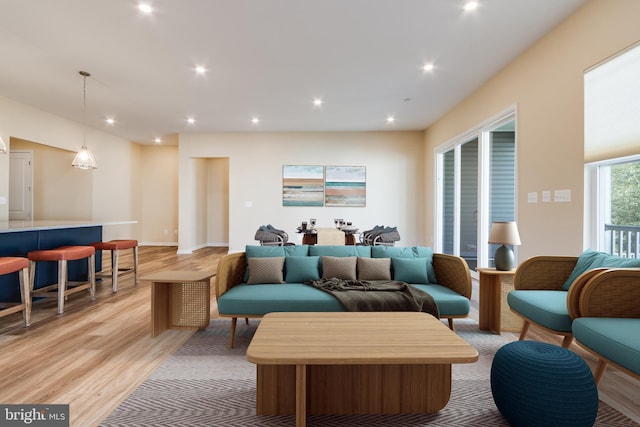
(10, 265)
(62, 255)
(115, 246)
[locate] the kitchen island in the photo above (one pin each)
(19, 237)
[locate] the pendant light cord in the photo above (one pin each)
(84, 74)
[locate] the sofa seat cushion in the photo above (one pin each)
(449, 303)
(617, 339)
(259, 300)
(547, 308)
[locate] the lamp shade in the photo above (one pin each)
(504, 233)
(84, 159)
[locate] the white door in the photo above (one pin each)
(20, 185)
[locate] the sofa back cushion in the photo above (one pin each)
(423, 252)
(265, 270)
(590, 259)
(340, 251)
(374, 268)
(339, 267)
(300, 269)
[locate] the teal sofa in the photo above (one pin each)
(266, 279)
(547, 289)
(608, 321)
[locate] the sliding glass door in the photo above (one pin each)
(476, 186)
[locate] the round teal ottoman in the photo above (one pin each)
(538, 384)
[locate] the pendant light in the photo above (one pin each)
(84, 159)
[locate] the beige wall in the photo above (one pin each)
(159, 195)
(60, 192)
(114, 184)
(217, 202)
(546, 84)
(394, 162)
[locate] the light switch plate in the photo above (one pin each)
(546, 196)
(562, 196)
(532, 197)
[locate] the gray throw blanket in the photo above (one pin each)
(377, 295)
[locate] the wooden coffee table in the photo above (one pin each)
(354, 363)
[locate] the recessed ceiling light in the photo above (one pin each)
(255, 120)
(390, 119)
(471, 5)
(157, 140)
(110, 120)
(199, 69)
(191, 120)
(428, 67)
(145, 8)
(317, 102)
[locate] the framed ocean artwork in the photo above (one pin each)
(302, 185)
(345, 186)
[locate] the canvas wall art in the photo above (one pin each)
(302, 185)
(345, 186)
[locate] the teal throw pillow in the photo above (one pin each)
(300, 269)
(407, 252)
(426, 252)
(591, 259)
(410, 270)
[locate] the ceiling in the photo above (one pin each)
(264, 58)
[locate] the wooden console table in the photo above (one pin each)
(179, 300)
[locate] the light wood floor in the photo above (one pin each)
(98, 352)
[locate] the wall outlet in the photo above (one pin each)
(248, 204)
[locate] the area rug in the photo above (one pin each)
(205, 384)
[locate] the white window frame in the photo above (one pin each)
(597, 197)
(482, 132)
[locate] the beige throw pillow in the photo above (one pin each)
(374, 268)
(265, 270)
(339, 267)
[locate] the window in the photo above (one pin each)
(615, 228)
(476, 186)
(612, 154)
